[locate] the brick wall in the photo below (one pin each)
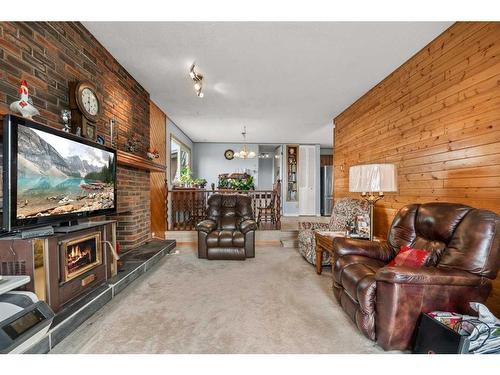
(48, 55)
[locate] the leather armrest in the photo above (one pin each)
(371, 249)
(247, 226)
(206, 226)
(427, 276)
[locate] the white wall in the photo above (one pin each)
(209, 161)
(266, 171)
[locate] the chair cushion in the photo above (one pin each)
(224, 253)
(227, 223)
(225, 238)
(213, 239)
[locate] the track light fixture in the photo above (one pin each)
(197, 79)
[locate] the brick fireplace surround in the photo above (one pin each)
(48, 55)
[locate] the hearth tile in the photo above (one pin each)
(69, 325)
(41, 347)
(148, 250)
(70, 309)
(151, 262)
(124, 281)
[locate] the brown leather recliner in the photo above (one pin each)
(229, 231)
(385, 302)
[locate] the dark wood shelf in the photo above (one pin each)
(138, 162)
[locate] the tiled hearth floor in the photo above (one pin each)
(275, 303)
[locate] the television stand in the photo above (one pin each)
(80, 226)
(69, 223)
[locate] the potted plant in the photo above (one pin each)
(185, 178)
(200, 183)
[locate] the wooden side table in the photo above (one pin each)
(324, 242)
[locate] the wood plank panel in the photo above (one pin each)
(437, 117)
(157, 134)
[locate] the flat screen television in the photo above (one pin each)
(50, 176)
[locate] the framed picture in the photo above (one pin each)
(363, 225)
(90, 132)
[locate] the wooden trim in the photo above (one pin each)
(138, 162)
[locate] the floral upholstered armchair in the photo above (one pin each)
(344, 211)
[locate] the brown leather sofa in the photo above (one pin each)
(229, 231)
(385, 302)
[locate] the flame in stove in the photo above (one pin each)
(78, 257)
(76, 252)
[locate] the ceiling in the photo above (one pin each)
(285, 81)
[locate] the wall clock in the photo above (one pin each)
(85, 107)
(229, 154)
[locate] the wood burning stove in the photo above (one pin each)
(79, 255)
(73, 261)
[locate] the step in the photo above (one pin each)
(289, 243)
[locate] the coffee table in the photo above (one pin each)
(324, 242)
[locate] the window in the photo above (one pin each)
(180, 157)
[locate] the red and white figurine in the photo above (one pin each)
(24, 106)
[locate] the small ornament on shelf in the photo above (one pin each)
(133, 144)
(112, 125)
(24, 106)
(153, 154)
(66, 117)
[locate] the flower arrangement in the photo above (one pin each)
(152, 154)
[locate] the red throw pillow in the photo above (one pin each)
(409, 257)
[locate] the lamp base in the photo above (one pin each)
(372, 199)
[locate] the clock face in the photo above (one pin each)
(229, 154)
(89, 101)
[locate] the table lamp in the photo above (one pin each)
(372, 181)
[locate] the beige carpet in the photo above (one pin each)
(274, 303)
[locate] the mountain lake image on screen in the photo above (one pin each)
(58, 176)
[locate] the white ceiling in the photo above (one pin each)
(285, 81)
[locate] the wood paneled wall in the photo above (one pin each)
(158, 124)
(437, 117)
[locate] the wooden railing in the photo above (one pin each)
(188, 206)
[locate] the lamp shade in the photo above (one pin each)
(369, 178)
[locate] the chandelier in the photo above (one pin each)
(244, 153)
